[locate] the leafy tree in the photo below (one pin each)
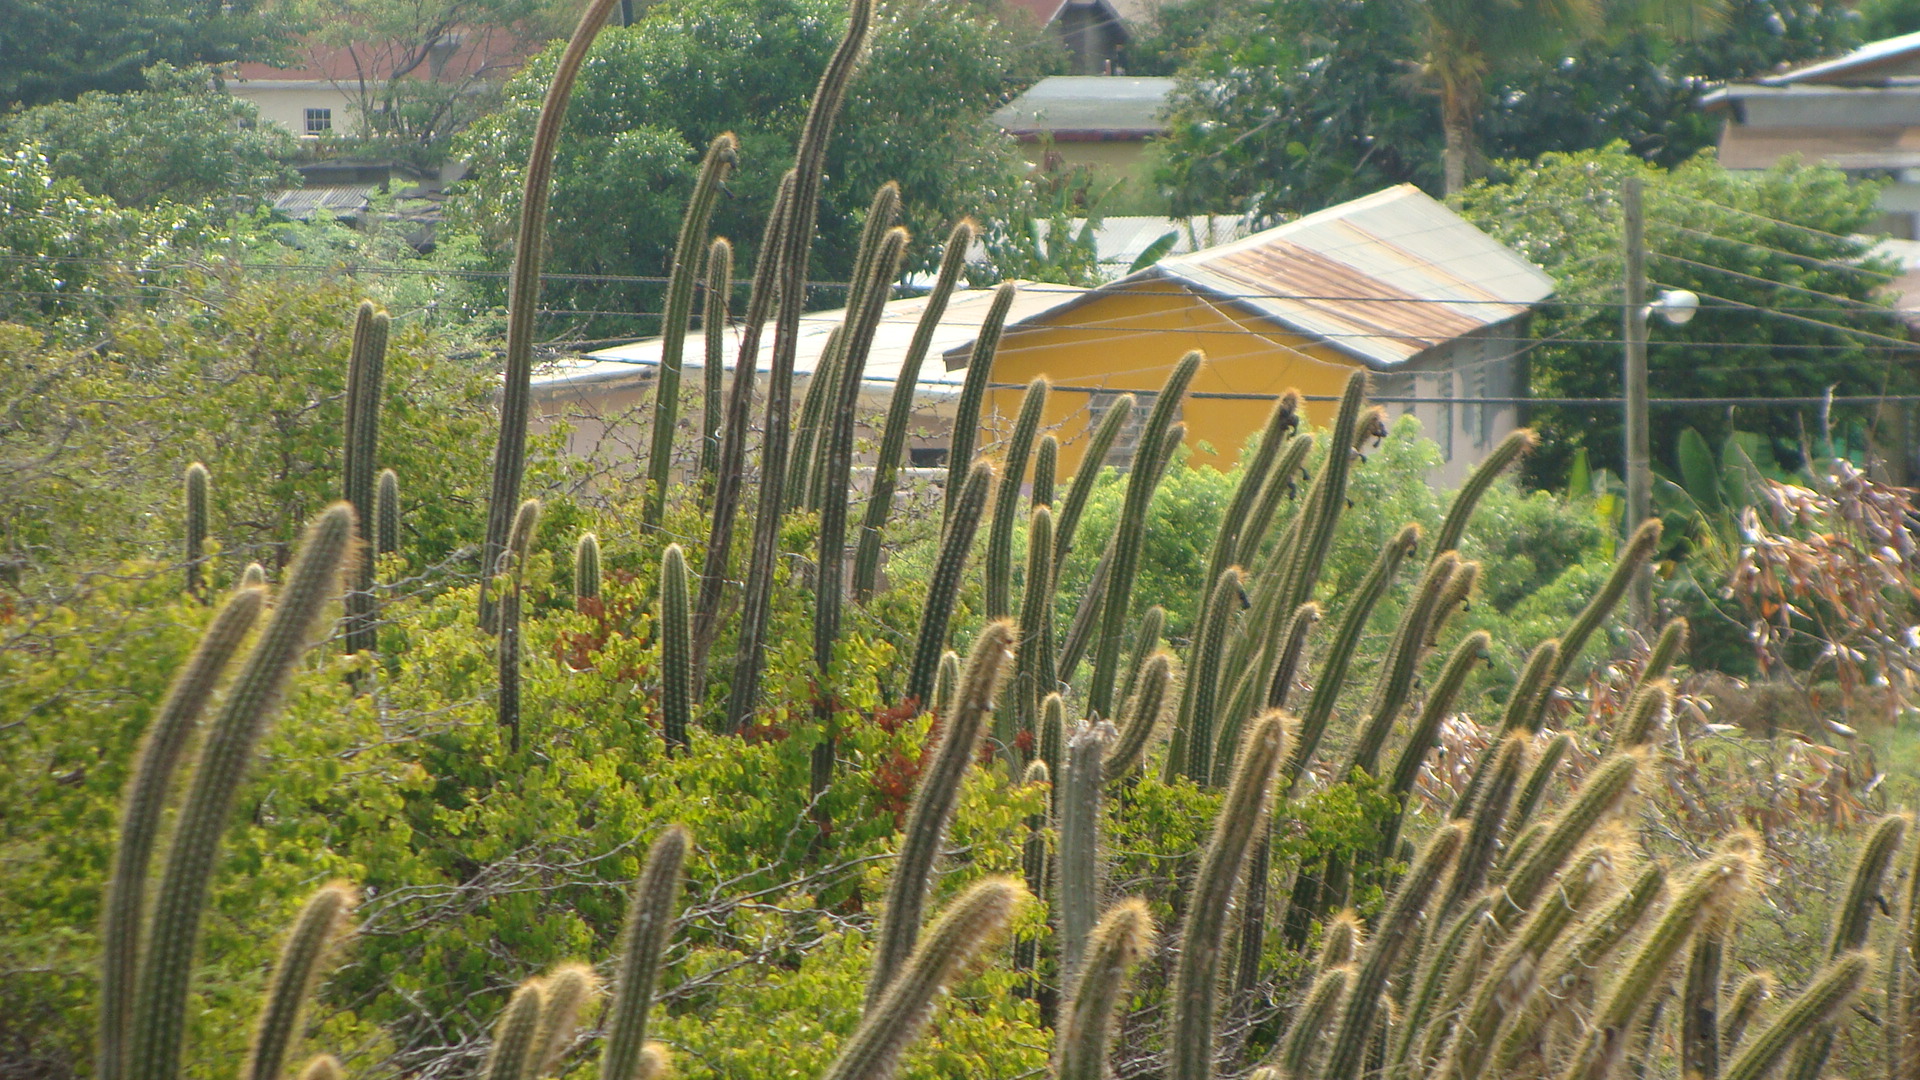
(54, 50)
(184, 140)
(1729, 237)
(657, 92)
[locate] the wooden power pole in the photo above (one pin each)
(1639, 475)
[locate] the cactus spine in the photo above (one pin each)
(1087, 477)
(973, 392)
(1242, 815)
(1007, 501)
(1125, 934)
(676, 649)
(944, 586)
(366, 366)
(166, 740)
(650, 916)
(1396, 927)
(586, 570)
(196, 483)
(971, 922)
(1131, 531)
(683, 273)
(1078, 809)
(386, 501)
(160, 1003)
(893, 437)
(932, 809)
(1813, 1010)
(321, 923)
(523, 298)
(1142, 715)
(515, 1035)
(713, 324)
(1511, 449)
(796, 243)
(567, 992)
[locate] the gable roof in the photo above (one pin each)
(1889, 59)
(1089, 106)
(1383, 278)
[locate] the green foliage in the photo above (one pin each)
(60, 50)
(184, 139)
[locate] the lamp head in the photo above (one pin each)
(1676, 306)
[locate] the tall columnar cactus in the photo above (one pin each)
(974, 920)
(1307, 1031)
(1402, 664)
(1033, 859)
(1036, 674)
(1053, 740)
(506, 658)
(650, 917)
(803, 477)
(386, 501)
(731, 476)
(515, 1034)
(160, 1000)
(831, 380)
(1006, 505)
(1473, 649)
(1606, 787)
(973, 393)
(1329, 499)
(140, 817)
(682, 274)
(1535, 789)
(932, 809)
(1123, 937)
(196, 485)
(1140, 717)
(1702, 903)
(1204, 677)
(1905, 1005)
(1425, 1022)
(567, 993)
(713, 325)
(1667, 649)
(1130, 533)
(1517, 444)
(321, 924)
(893, 435)
(1700, 1007)
(1485, 823)
(1396, 927)
(1046, 466)
(796, 242)
(676, 650)
(1085, 616)
(1146, 643)
(1341, 939)
(946, 684)
(523, 298)
(1203, 931)
(1648, 709)
(1852, 920)
(1456, 598)
(1639, 548)
(944, 586)
(837, 452)
(1535, 682)
(586, 570)
(366, 366)
(1293, 652)
(1743, 1005)
(526, 524)
(1087, 477)
(1816, 1008)
(1079, 813)
(1280, 484)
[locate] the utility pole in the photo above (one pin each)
(1639, 474)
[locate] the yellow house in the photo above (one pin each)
(1394, 283)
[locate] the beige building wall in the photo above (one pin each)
(285, 102)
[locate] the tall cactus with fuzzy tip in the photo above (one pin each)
(1036, 675)
(796, 244)
(160, 1000)
(1130, 533)
(1190, 1028)
(971, 922)
(1743, 1005)
(1087, 477)
(650, 916)
(196, 485)
(253, 577)
(321, 924)
(140, 818)
(676, 649)
(1517, 444)
(567, 992)
(1700, 1007)
(1400, 666)
(869, 284)
(946, 683)
(1308, 1029)
(1485, 824)
(386, 501)
(893, 434)
(515, 1034)
(1535, 789)
(1046, 466)
(1328, 500)
(506, 658)
(586, 570)
(366, 366)
(1852, 921)
(1013, 468)
(1205, 676)
(713, 326)
(1639, 549)
(1814, 1009)
(1079, 863)
(973, 393)
(944, 586)
(523, 297)
(1117, 944)
(1667, 649)
(1053, 739)
(932, 808)
(682, 274)
(1140, 717)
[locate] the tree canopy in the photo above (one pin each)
(54, 50)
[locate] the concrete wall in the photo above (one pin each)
(286, 104)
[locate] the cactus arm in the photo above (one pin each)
(676, 649)
(387, 511)
(1427, 1019)
(1667, 649)
(1146, 645)
(1013, 469)
(650, 917)
(196, 483)
(1124, 936)
(713, 327)
(1517, 444)
(567, 992)
(1401, 665)
(1204, 677)
(1308, 1029)
(1489, 815)
(160, 1004)
(1742, 1006)
(973, 392)
(1646, 712)
(1328, 501)
(944, 586)
(506, 658)
(1141, 716)
(1079, 813)
(1813, 1010)
(1472, 649)
(512, 1054)
(931, 812)
(523, 297)
(1292, 652)
(1046, 465)
(1852, 920)
(586, 569)
(321, 924)
(1087, 477)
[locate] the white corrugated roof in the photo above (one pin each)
(959, 324)
(1874, 56)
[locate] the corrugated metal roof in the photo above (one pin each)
(959, 324)
(1887, 58)
(1116, 105)
(1120, 241)
(343, 199)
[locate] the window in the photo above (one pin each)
(319, 121)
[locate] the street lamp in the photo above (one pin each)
(1676, 306)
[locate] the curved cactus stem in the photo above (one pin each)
(322, 922)
(1401, 665)
(1293, 650)
(1006, 506)
(650, 917)
(1743, 1005)
(1279, 485)
(512, 1055)
(1667, 650)
(946, 683)
(1141, 716)
(973, 392)
(713, 326)
(1647, 711)
(1308, 1029)
(676, 650)
(1517, 444)
(1204, 677)
(1535, 789)
(567, 993)
(1638, 550)
(1606, 787)
(1146, 645)
(1813, 1010)
(1852, 920)
(1489, 815)
(1086, 617)
(1087, 477)
(944, 586)
(366, 366)
(1124, 936)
